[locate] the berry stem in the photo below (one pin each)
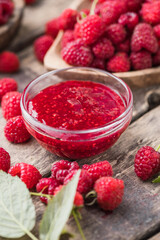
(78, 224)
(93, 7)
(41, 195)
(158, 148)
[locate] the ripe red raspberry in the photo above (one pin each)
(9, 62)
(27, 173)
(15, 130)
(129, 20)
(143, 38)
(124, 46)
(103, 48)
(7, 85)
(62, 168)
(6, 10)
(133, 5)
(97, 170)
(116, 33)
(157, 31)
(52, 27)
(98, 63)
(109, 192)
(119, 63)
(11, 104)
(28, 2)
(156, 58)
(68, 36)
(78, 199)
(77, 33)
(68, 19)
(47, 186)
(76, 54)
(147, 162)
(141, 60)
(91, 28)
(41, 46)
(4, 160)
(150, 12)
(85, 181)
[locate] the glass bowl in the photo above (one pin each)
(77, 144)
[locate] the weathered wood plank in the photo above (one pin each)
(156, 237)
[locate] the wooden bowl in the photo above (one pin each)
(8, 30)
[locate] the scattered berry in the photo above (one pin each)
(52, 27)
(27, 173)
(15, 130)
(41, 46)
(129, 20)
(11, 104)
(62, 168)
(6, 10)
(85, 181)
(151, 12)
(119, 63)
(109, 192)
(9, 62)
(116, 33)
(103, 48)
(7, 85)
(68, 19)
(68, 36)
(4, 160)
(141, 60)
(147, 162)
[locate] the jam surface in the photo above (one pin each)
(76, 105)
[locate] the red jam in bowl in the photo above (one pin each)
(77, 113)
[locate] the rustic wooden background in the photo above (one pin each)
(138, 217)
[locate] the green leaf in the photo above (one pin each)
(58, 211)
(17, 212)
(157, 180)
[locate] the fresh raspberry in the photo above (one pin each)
(143, 38)
(28, 2)
(157, 31)
(129, 20)
(151, 12)
(76, 54)
(78, 199)
(9, 62)
(52, 27)
(41, 46)
(68, 19)
(62, 168)
(7, 85)
(98, 63)
(77, 32)
(147, 162)
(156, 58)
(11, 105)
(97, 170)
(111, 10)
(4, 160)
(141, 60)
(119, 63)
(124, 46)
(27, 173)
(6, 10)
(68, 36)
(47, 186)
(109, 192)
(133, 5)
(103, 48)
(91, 28)
(85, 181)
(116, 33)
(15, 130)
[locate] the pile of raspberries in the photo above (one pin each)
(119, 36)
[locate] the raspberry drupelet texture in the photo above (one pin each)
(141, 60)
(124, 46)
(9, 62)
(157, 31)
(52, 27)
(15, 130)
(150, 12)
(85, 181)
(133, 5)
(68, 36)
(109, 192)
(129, 20)
(11, 104)
(119, 63)
(147, 162)
(62, 168)
(27, 173)
(103, 48)
(41, 46)
(4, 160)
(7, 85)
(68, 19)
(116, 33)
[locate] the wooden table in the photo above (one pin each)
(138, 217)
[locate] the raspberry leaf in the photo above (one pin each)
(17, 212)
(58, 211)
(157, 180)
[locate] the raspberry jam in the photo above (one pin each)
(78, 112)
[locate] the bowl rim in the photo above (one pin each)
(109, 126)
